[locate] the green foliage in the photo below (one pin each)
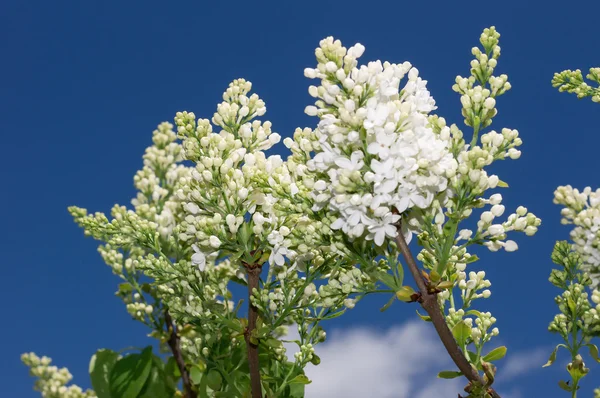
(553, 355)
(571, 271)
(461, 332)
(449, 374)
(129, 374)
(101, 365)
(495, 354)
(136, 375)
(575, 323)
(159, 383)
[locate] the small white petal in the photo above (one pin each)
(510, 246)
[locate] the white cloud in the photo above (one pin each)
(398, 362)
(365, 362)
(522, 362)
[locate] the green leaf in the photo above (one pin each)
(129, 374)
(172, 372)
(552, 357)
(472, 258)
(495, 354)
(386, 279)
(444, 285)
(300, 379)
(315, 359)
(252, 338)
(449, 374)
(400, 274)
(388, 304)
(202, 386)
(296, 391)
(405, 294)
(502, 184)
(239, 281)
(334, 315)
(434, 276)
(426, 318)
(273, 343)
(147, 288)
(461, 332)
(472, 357)
(565, 385)
(593, 352)
(125, 289)
(195, 375)
(233, 324)
(101, 365)
(244, 233)
(214, 380)
(158, 384)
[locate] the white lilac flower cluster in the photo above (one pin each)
(582, 209)
(143, 242)
(193, 287)
(136, 239)
(376, 153)
(192, 228)
(51, 381)
(259, 209)
(444, 240)
(233, 177)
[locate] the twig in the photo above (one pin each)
(173, 342)
(253, 364)
(429, 302)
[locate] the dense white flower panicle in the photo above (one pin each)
(256, 209)
(582, 209)
(376, 153)
(443, 239)
(142, 243)
(158, 179)
(233, 179)
(318, 219)
(51, 381)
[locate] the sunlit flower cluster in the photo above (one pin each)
(260, 209)
(51, 381)
(314, 230)
(582, 209)
(445, 244)
(376, 153)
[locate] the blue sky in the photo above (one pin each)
(83, 84)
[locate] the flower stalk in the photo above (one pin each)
(429, 302)
(175, 347)
(252, 346)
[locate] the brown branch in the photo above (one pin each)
(429, 302)
(173, 342)
(253, 364)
